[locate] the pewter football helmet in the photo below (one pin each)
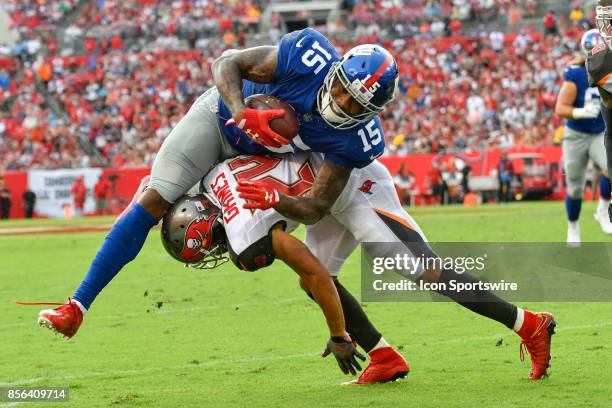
(192, 232)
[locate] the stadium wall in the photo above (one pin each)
(52, 187)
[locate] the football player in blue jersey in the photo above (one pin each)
(583, 139)
(337, 100)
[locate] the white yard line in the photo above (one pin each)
(111, 373)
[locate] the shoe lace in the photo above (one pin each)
(522, 349)
(532, 348)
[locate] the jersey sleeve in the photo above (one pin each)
(363, 145)
(598, 67)
(355, 159)
(343, 160)
(571, 74)
(297, 46)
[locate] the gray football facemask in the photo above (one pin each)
(603, 20)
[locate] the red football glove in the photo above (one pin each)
(258, 194)
(255, 123)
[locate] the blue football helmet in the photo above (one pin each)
(370, 74)
(589, 40)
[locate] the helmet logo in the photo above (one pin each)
(359, 88)
(196, 241)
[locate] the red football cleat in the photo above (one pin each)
(386, 365)
(536, 340)
(64, 319)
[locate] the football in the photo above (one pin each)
(287, 126)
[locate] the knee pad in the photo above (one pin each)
(575, 189)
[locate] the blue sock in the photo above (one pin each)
(120, 246)
(605, 188)
(573, 208)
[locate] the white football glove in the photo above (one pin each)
(590, 111)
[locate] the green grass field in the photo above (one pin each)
(164, 336)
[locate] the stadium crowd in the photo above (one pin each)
(429, 18)
(137, 23)
(31, 14)
(459, 87)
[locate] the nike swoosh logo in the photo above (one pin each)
(299, 43)
(540, 326)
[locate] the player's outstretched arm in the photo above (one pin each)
(320, 284)
(328, 185)
(257, 64)
(565, 104)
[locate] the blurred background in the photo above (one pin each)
(89, 90)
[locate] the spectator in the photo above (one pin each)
(531, 8)
(404, 183)
(577, 14)
(434, 178)
(466, 170)
(5, 200)
(79, 194)
(44, 72)
(29, 202)
(505, 175)
(101, 193)
(550, 23)
(497, 41)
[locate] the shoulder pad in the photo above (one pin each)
(598, 64)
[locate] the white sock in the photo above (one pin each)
(520, 318)
(83, 309)
(573, 224)
(381, 343)
(602, 207)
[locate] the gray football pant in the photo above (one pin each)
(191, 149)
(578, 148)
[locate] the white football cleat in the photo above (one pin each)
(573, 235)
(604, 221)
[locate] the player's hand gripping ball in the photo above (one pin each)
(268, 121)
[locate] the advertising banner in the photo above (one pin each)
(52, 189)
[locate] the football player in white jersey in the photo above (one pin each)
(368, 210)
